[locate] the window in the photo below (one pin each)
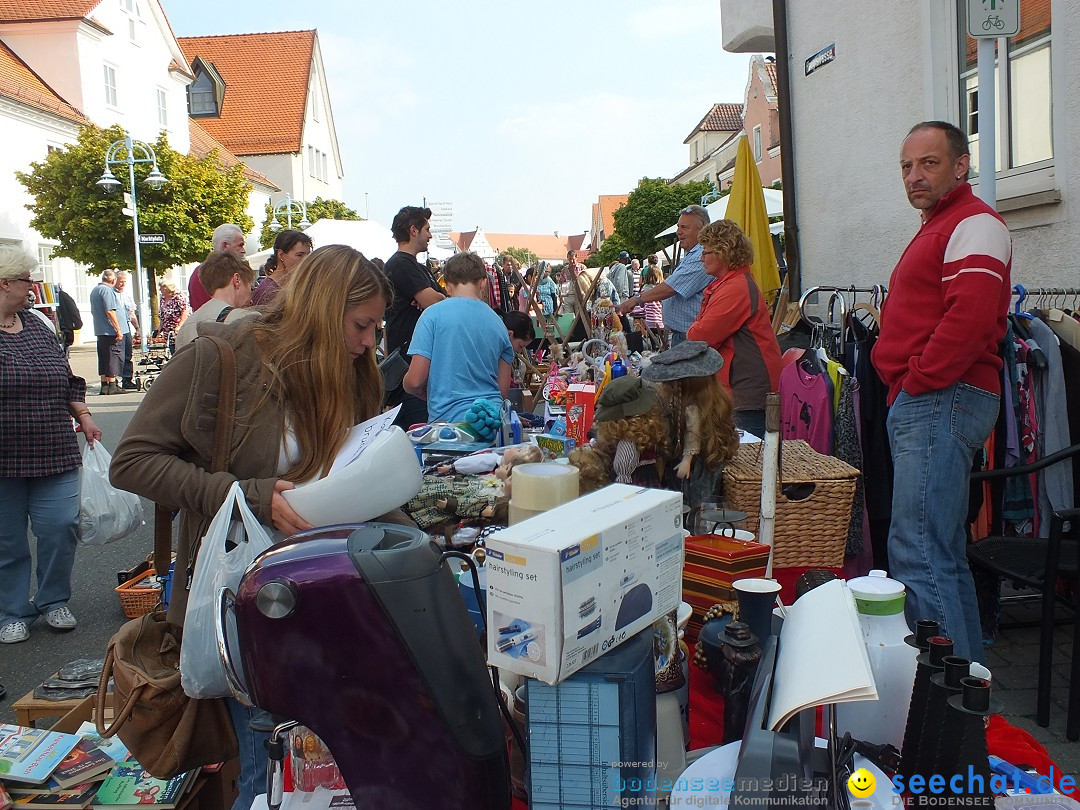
(314, 102)
(201, 100)
(45, 262)
(311, 160)
(110, 86)
(757, 143)
(1024, 128)
(324, 174)
(162, 109)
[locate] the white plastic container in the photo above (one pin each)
(880, 603)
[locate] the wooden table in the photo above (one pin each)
(29, 709)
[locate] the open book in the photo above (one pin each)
(360, 436)
(822, 656)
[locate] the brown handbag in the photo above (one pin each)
(165, 730)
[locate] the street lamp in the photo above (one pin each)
(129, 152)
(287, 207)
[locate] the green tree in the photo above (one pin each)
(316, 209)
(612, 247)
(523, 256)
(90, 225)
(652, 207)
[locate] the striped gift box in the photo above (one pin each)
(713, 563)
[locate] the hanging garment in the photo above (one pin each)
(849, 450)
(1055, 484)
(806, 410)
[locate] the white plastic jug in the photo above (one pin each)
(880, 603)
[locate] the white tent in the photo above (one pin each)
(774, 207)
(370, 238)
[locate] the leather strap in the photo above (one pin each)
(219, 461)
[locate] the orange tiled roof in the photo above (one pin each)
(28, 10)
(576, 243)
(770, 72)
(202, 143)
(462, 239)
(725, 117)
(545, 246)
(266, 88)
(609, 204)
(20, 83)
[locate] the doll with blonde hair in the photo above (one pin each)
(700, 413)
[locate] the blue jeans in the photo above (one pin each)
(752, 422)
(51, 503)
(252, 745)
(676, 338)
(934, 438)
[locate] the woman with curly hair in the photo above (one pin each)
(632, 438)
(735, 320)
(699, 411)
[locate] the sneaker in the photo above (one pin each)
(61, 618)
(14, 632)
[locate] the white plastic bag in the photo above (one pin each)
(106, 514)
(202, 674)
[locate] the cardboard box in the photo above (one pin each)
(555, 446)
(567, 586)
(713, 563)
(580, 403)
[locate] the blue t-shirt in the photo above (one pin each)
(102, 299)
(464, 340)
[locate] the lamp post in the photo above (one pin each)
(287, 207)
(129, 152)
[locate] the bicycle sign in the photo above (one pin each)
(993, 18)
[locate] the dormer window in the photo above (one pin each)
(207, 93)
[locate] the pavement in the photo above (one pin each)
(1012, 659)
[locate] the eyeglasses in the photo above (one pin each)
(27, 280)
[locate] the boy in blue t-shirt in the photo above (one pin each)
(460, 348)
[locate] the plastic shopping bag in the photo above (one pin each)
(228, 548)
(106, 514)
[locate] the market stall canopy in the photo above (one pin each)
(774, 207)
(370, 238)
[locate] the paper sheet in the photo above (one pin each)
(360, 437)
(822, 656)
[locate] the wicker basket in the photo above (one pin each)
(138, 601)
(812, 531)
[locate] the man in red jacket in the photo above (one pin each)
(938, 354)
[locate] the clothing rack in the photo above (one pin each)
(839, 296)
(1047, 296)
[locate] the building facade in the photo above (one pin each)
(883, 71)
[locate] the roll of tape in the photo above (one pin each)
(543, 486)
(517, 514)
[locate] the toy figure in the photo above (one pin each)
(443, 497)
(492, 460)
(700, 413)
(632, 438)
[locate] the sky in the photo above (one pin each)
(518, 114)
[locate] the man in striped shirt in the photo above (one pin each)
(938, 354)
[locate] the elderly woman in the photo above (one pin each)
(306, 373)
(173, 309)
(39, 463)
(735, 320)
(290, 248)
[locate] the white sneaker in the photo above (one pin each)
(14, 632)
(61, 618)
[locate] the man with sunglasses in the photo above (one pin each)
(682, 291)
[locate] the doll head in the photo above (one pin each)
(512, 456)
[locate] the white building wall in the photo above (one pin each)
(850, 117)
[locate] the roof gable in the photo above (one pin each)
(19, 83)
(609, 204)
(726, 117)
(258, 117)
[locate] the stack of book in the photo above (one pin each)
(44, 770)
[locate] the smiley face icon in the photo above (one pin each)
(861, 783)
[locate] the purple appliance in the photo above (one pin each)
(359, 633)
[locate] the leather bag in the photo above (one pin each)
(168, 732)
(165, 730)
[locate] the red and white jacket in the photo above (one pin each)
(948, 299)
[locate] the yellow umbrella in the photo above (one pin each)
(746, 206)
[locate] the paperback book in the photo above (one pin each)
(81, 796)
(32, 754)
(129, 787)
